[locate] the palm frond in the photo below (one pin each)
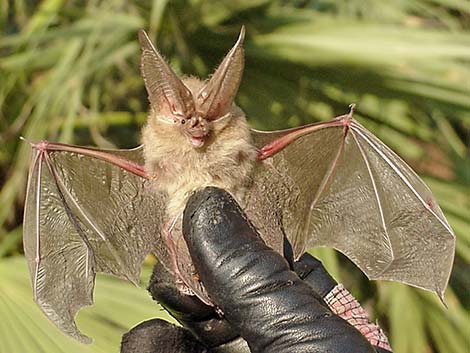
(69, 72)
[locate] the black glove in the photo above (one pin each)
(260, 302)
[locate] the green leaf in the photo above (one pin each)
(118, 307)
(70, 71)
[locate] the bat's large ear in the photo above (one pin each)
(216, 97)
(167, 93)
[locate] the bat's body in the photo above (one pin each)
(177, 168)
(178, 164)
(326, 184)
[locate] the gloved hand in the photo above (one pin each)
(261, 304)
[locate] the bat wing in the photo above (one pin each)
(86, 211)
(338, 185)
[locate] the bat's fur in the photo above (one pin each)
(177, 168)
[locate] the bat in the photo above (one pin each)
(329, 184)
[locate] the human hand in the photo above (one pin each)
(261, 305)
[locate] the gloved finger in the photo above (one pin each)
(311, 270)
(201, 319)
(340, 301)
(158, 336)
(269, 305)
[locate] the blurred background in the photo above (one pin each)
(69, 72)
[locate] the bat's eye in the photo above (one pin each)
(183, 121)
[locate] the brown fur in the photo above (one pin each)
(178, 168)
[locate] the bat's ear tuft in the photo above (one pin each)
(216, 97)
(167, 93)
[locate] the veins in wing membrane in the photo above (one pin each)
(75, 213)
(44, 157)
(357, 128)
(343, 122)
(379, 202)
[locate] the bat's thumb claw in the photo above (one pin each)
(352, 109)
(22, 138)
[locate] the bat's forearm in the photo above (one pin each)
(107, 156)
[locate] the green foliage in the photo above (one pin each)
(69, 72)
(24, 328)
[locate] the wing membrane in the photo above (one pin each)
(337, 185)
(422, 241)
(85, 215)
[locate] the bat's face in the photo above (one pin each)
(195, 127)
(190, 107)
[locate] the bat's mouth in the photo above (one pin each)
(197, 130)
(197, 141)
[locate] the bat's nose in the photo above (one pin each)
(193, 121)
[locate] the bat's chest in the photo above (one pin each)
(180, 178)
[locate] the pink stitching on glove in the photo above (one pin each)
(343, 304)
